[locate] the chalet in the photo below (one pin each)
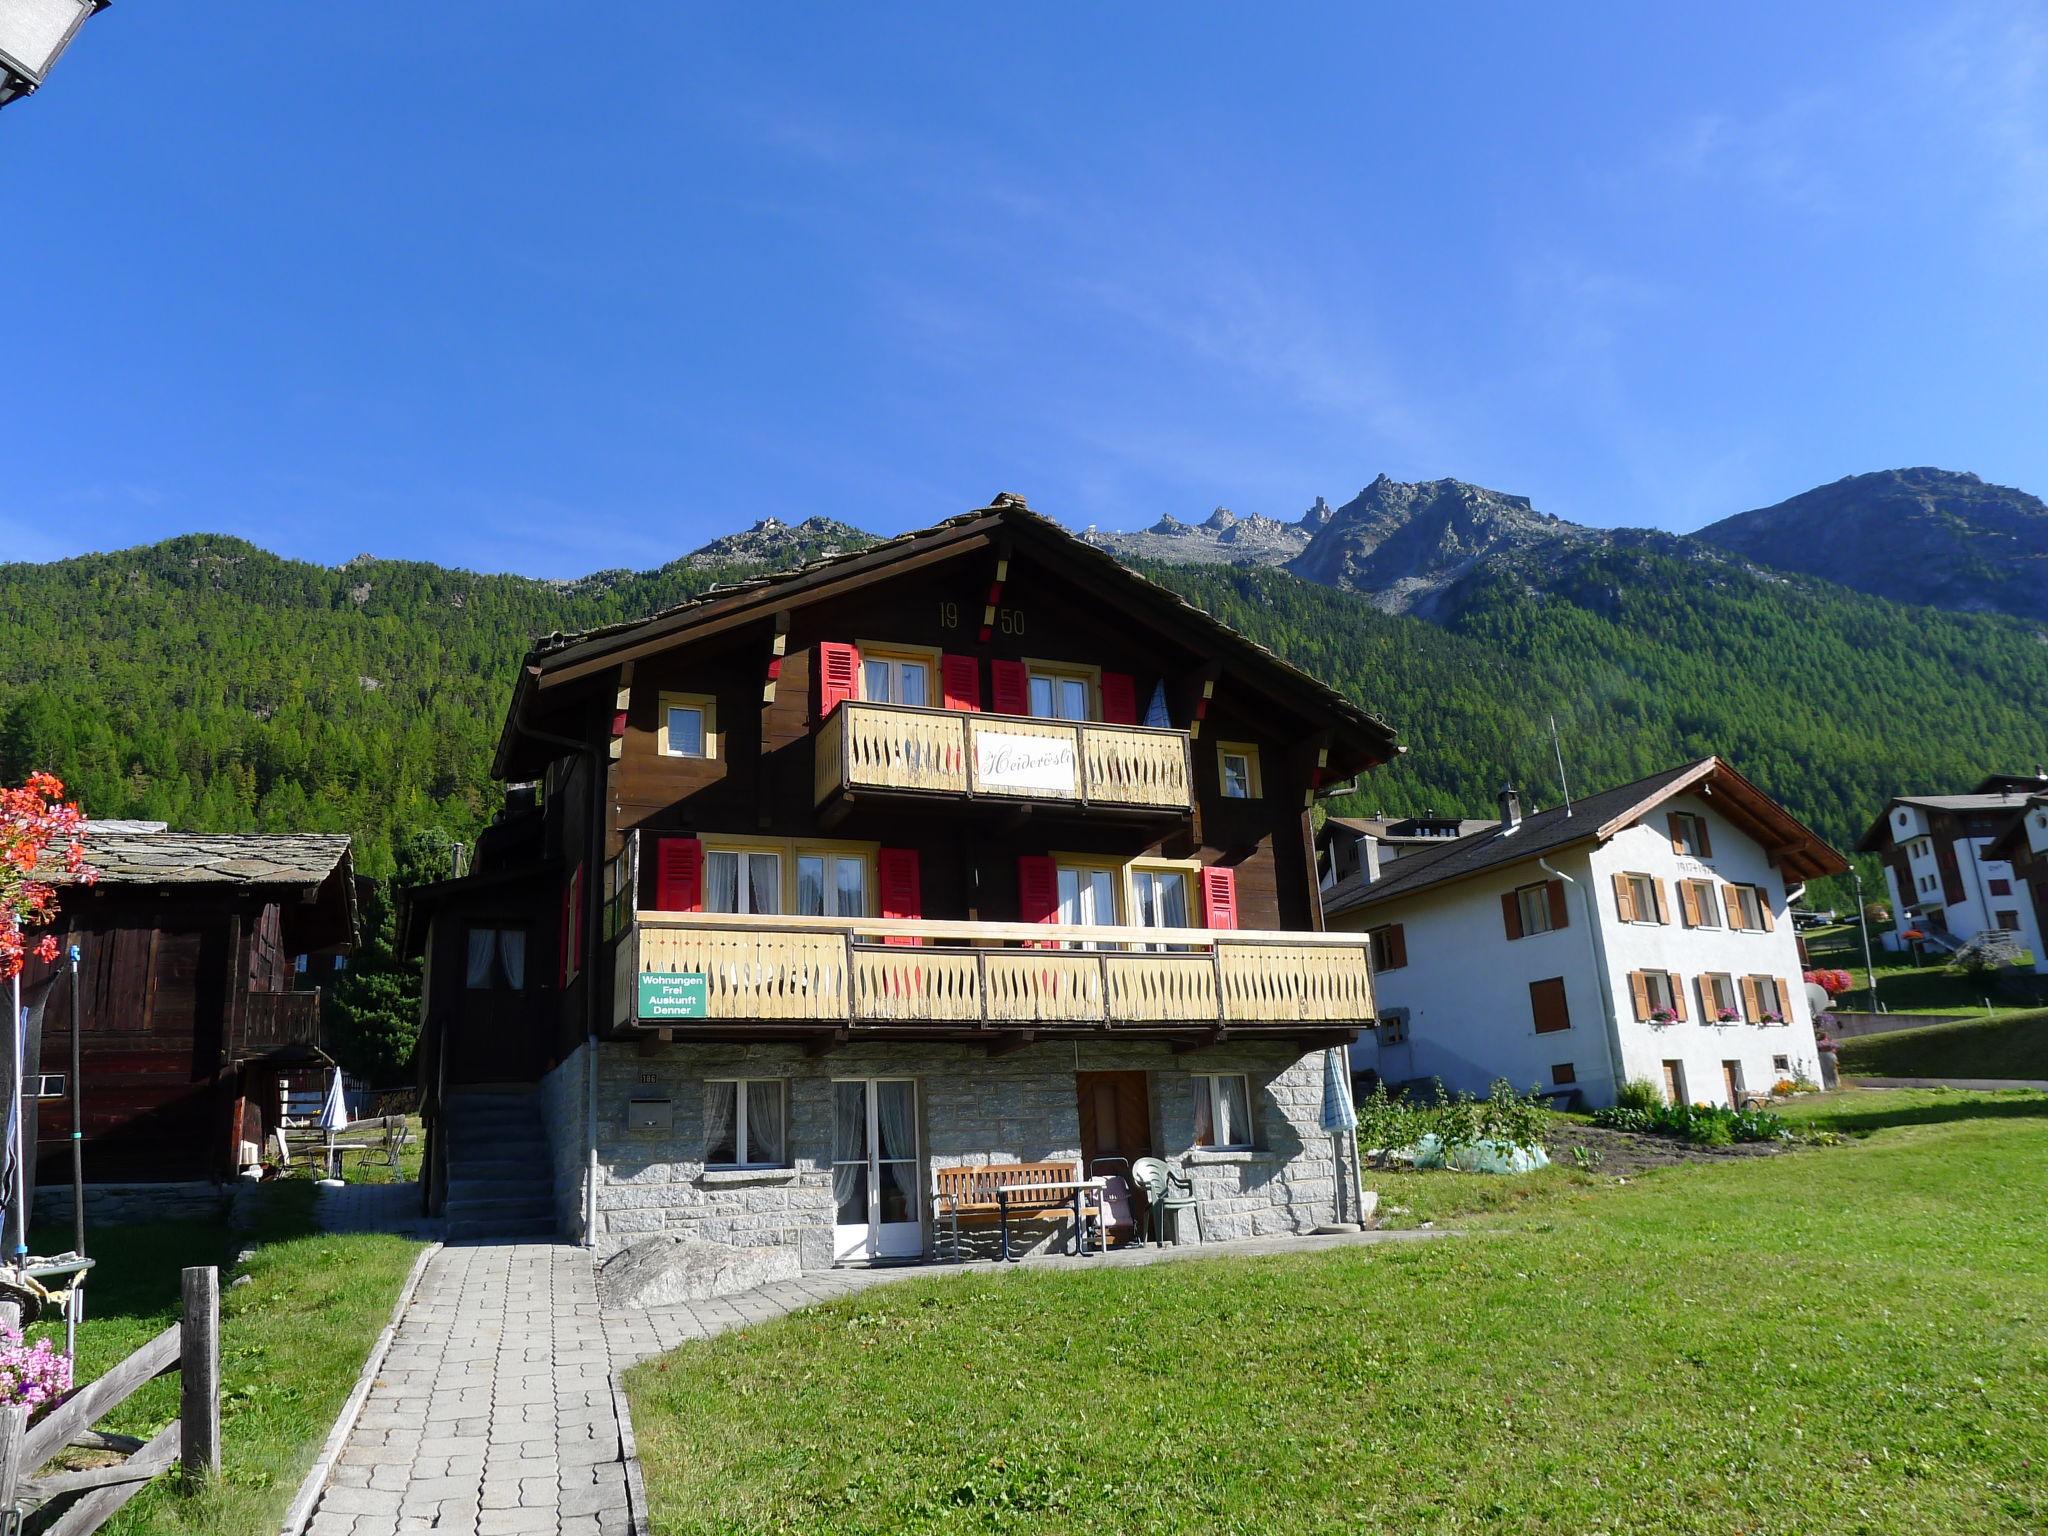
(189, 1021)
(2024, 845)
(1948, 868)
(1640, 933)
(969, 848)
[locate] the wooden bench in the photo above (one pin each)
(969, 1194)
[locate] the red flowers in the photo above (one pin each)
(1835, 983)
(33, 818)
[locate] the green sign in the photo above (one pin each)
(673, 995)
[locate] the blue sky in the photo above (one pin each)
(545, 288)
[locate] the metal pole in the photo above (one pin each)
(1863, 922)
(18, 1194)
(77, 1122)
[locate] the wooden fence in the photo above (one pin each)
(78, 1503)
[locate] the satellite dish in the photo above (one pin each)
(1817, 999)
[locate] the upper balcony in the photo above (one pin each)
(964, 758)
(704, 972)
(274, 1022)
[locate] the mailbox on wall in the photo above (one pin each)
(651, 1115)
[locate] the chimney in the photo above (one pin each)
(1510, 808)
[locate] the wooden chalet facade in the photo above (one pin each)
(891, 835)
(190, 1020)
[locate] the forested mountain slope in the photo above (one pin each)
(207, 683)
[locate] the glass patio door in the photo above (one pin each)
(874, 1170)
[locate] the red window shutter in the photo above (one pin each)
(1219, 897)
(896, 871)
(1560, 914)
(679, 874)
(1511, 912)
(1009, 688)
(1038, 890)
(960, 681)
(838, 675)
(1119, 699)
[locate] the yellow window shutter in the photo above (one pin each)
(1624, 900)
(1663, 906)
(1763, 906)
(1639, 992)
(1677, 984)
(1731, 898)
(1677, 832)
(1689, 902)
(1752, 1002)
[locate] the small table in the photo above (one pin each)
(1080, 1187)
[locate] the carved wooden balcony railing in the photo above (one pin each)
(901, 972)
(1012, 758)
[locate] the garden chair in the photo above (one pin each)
(1167, 1192)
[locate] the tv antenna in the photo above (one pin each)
(1558, 747)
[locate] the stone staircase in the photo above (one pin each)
(500, 1172)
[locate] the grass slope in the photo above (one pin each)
(292, 1342)
(1844, 1339)
(2014, 1045)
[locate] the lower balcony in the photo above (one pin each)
(704, 973)
(274, 1022)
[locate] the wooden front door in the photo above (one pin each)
(494, 1021)
(1731, 1076)
(1674, 1083)
(1116, 1130)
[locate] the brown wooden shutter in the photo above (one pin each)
(1639, 994)
(1752, 1003)
(1677, 825)
(1560, 914)
(1663, 906)
(1676, 983)
(1396, 945)
(1547, 1007)
(1511, 913)
(1699, 828)
(1731, 901)
(1689, 902)
(1624, 900)
(1763, 908)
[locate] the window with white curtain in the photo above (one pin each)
(742, 880)
(496, 960)
(1223, 1110)
(745, 1123)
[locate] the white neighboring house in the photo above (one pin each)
(1641, 934)
(1942, 868)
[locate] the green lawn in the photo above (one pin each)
(292, 1343)
(359, 1167)
(2012, 1045)
(1847, 1338)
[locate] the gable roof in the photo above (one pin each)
(563, 658)
(1595, 819)
(126, 857)
(1879, 836)
(2014, 837)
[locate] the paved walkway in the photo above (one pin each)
(1970, 1084)
(372, 1208)
(493, 1413)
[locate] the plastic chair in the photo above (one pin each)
(1167, 1192)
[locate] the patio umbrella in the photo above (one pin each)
(1340, 1119)
(333, 1117)
(1155, 712)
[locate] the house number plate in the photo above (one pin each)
(673, 995)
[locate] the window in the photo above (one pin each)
(1689, 835)
(2009, 921)
(1657, 994)
(1639, 899)
(1698, 904)
(1087, 896)
(1745, 909)
(895, 677)
(299, 963)
(1547, 1006)
(1061, 693)
(1782, 1065)
(1393, 1027)
(496, 960)
(744, 1121)
(1388, 947)
(1719, 998)
(2000, 887)
(1533, 905)
(47, 1085)
(831, 885)
(1159, 899)
(742, 880)
(1238, 770)
(1563, 1075)
(689, 725)
(1766, 999)
(572, 927)
(1223, 1110)
(1674, 1082)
